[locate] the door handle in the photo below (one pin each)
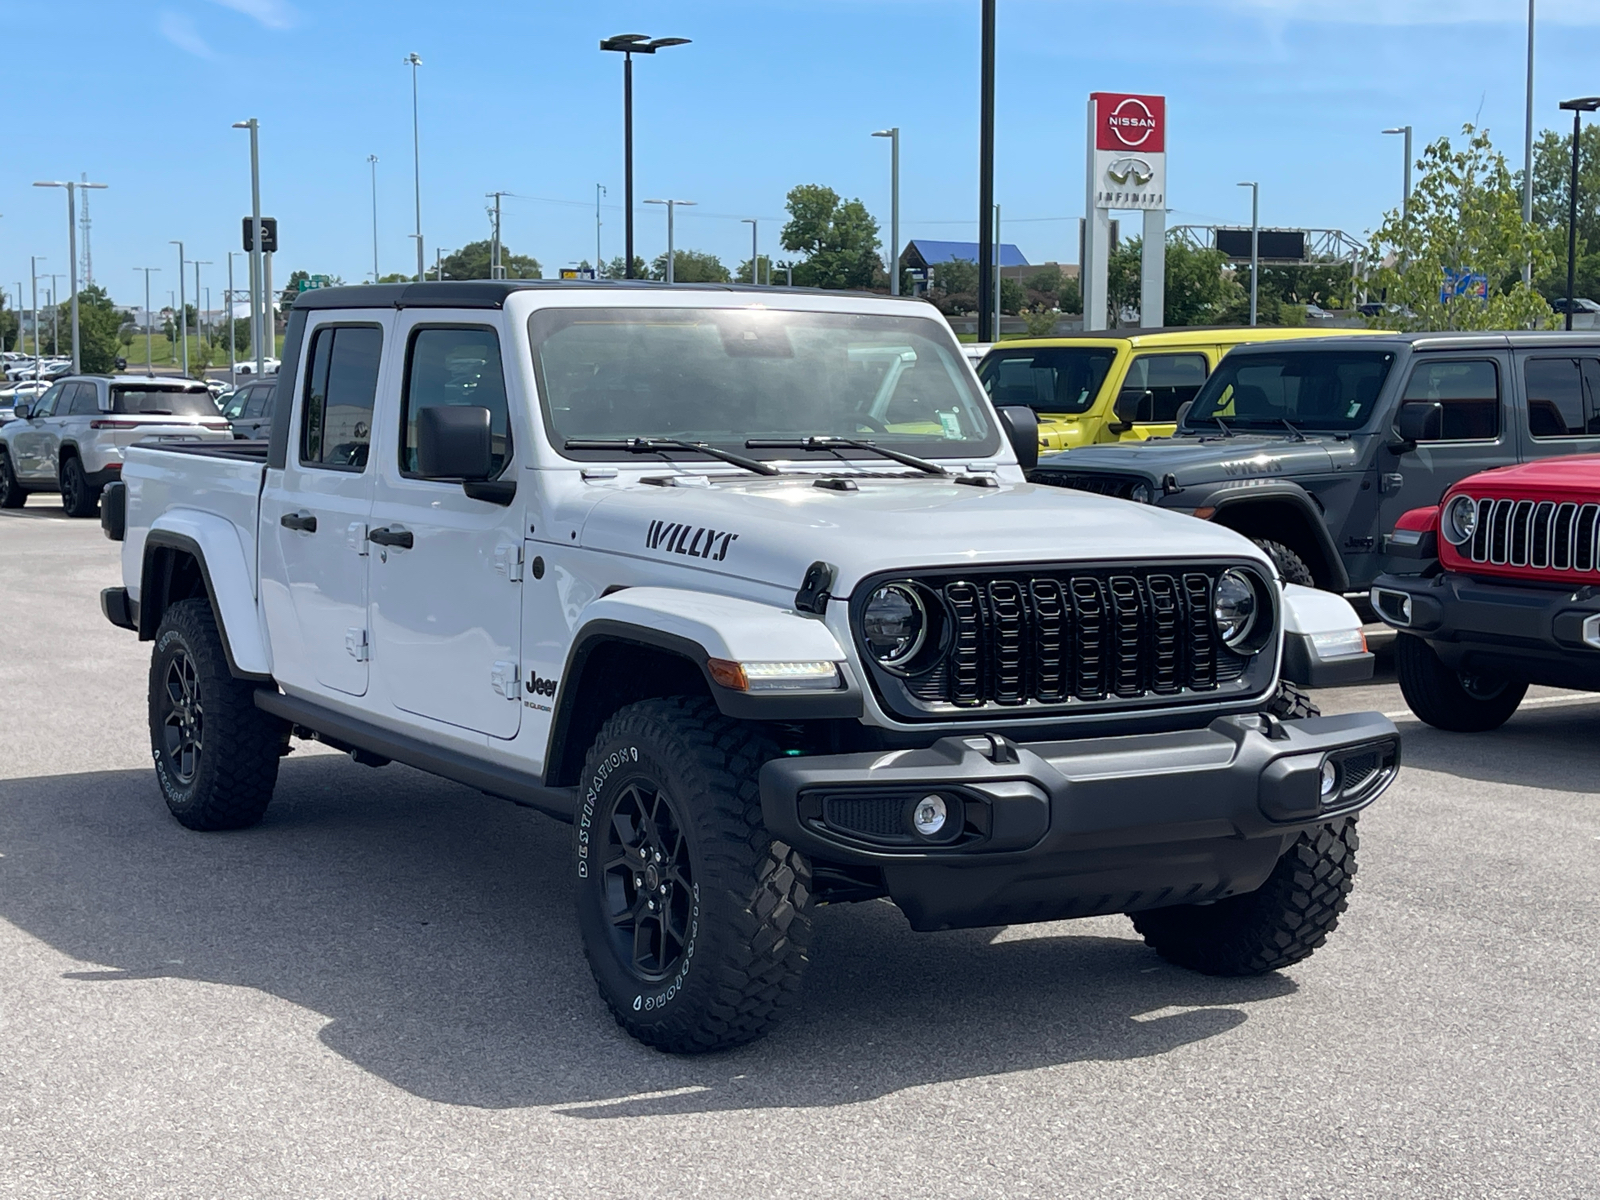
(399, 539)
(304, 522)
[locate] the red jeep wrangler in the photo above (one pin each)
(1506, 592)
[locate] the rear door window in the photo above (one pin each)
(1468, 389)
(1563, 396)
(1162, 383)
(341, 386)
(85, 402)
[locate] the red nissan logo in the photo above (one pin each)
(1132, 122)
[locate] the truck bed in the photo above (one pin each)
(241, 449)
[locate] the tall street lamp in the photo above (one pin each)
(1577, 108)
(599, 264)
(199, 313)
(1255, 245)
(986, 248)
(755, 256)
(149, 354)
(416, 161)
(183, 306)
(233, 357)
(894, 206)
(33, 283)
(629, 44)
(72, 245)
(1405, 196)
(1527, 151)
(671, 204)
(372, 161)
(256, 321)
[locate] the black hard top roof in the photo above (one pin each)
(492, 293)
(1516, 339)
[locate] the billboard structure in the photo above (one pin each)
(1127, 169)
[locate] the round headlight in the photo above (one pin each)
(894, 623)
(1234, 607)
(1460, 520)
(1141, 493)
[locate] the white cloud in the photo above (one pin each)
(1416, 12)
(180, 31)
(274, 14)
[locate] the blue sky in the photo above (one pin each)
(771, 93)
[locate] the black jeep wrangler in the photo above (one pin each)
(1315, 448)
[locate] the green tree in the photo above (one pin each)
(10, 325)
(1199, 289)
(1552, 175)
(99, 329)
(396, 277)
(690, 266)
(1069, 296)
(615, 269)
(838, 239)
(742, 274)
(1466, 217)
(472, 262)
(1122, 281)
(1013, 296)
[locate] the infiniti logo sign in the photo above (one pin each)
(1134, 170)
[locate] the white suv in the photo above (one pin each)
(71, 439)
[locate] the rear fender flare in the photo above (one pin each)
(214, 544)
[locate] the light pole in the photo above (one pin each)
(72, 248)
(199, 313)
(1577, 108)
(55, 317)
(629, 44)
(256, 321)
(416, 161)
(599, 263)
(183, 307)
(496, 271)
(1405, 196)
(986, 249)
(233, 358)
(1255, 245)
(1527, 151)
(671, 204)
(149, 340)
(755, 257)
(33, 283)
(894, 206)
(372, 161)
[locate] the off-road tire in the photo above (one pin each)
(1289, 703)
(78, 499)
(11, 493)
(1291, 567)
(227, 782)
(1446, 700)
(1281, 923)
(743, 911)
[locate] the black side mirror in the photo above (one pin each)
(1021, 426)
(453, 443)
(1183, 412)
(1421, 421)
(21, 409)
(1125, 411)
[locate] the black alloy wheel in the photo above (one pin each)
(78, 499)
(647, 881)
(183, 718)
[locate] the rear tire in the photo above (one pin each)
(216, 754)
(1281, 923)
(11, 493)
(676, 870)
(78, 499)
(1452, 700)
(1291, 567)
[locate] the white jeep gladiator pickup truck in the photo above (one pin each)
(749, 587)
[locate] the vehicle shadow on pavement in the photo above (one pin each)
(1549, 747)
(433, 928)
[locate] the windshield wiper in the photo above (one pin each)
(833, 443)
(658, 445)
(1223, 425)
(1293, 428)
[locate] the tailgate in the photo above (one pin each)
(123, 432)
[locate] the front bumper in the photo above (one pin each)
(1048, 830)
(1523, 632)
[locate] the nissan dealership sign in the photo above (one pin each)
(1128, 163)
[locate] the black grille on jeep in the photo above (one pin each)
(1120, 486)
(1073, 638)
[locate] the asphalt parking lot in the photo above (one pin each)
(380, 992)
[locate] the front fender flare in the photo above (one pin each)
(1239, 493)
(215, 545)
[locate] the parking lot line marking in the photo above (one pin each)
(1405, 714)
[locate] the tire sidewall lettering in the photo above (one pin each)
(591, 799)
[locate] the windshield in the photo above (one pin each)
(160, 401)
(1052, 379)
(1330, 391)
(726, 376)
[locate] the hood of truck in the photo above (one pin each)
(1568, 478)
(771, 530)
(1211, 460)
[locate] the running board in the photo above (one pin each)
(348, 733)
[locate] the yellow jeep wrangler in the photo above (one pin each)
(1117, 385)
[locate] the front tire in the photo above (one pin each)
(11, 493)
(693, 917)
(1452, 700)
(78, 499)
(216, 754)
(1291, 567)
